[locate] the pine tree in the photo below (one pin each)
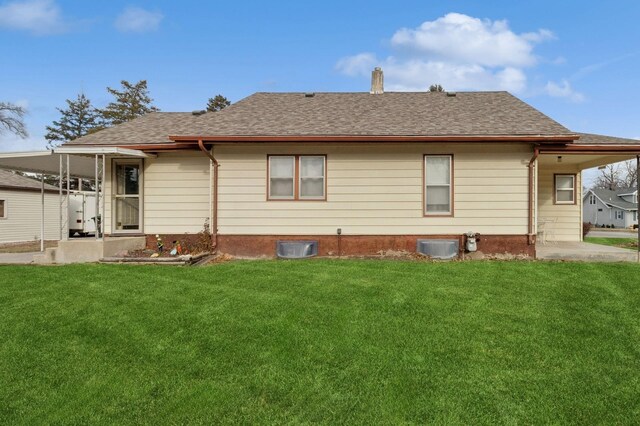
(78, 119)
(217, 103)
(131, 102)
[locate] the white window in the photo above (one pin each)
(592, 199)
(565, 189)
(297, 177)
(619, 215)
(281, 177)
(312, 177)
(438, 172)
(3, 209)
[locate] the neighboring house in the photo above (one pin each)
(358, 172)
(21, 208)
(603, 207)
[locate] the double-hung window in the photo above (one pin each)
(297, 177)
(592, 199)
(438, 185)
(3, 209)
(619, 215)
(565, 189)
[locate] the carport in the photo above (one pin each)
(67, 163)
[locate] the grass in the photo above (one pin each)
(628, 243)
(324, 341)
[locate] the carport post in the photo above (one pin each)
(42, 212)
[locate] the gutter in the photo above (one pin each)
(531, 235)
(214, 207)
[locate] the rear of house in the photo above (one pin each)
(359, 173)
(21, 204)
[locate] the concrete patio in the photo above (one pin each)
(584, 252)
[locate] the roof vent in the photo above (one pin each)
(439, 249)
(377, 81)
(200, 112)
(296, 249)
(451, 94)
(309, 95)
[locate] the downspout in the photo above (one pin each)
(531, 235)
(214, 213)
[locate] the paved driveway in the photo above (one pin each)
(17, 258)
(613, 234)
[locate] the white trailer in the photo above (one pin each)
(82, 213)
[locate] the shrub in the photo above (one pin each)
(586, 227)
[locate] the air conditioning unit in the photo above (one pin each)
(296, 249)
(439, 249)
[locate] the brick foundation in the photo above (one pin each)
(365, 245)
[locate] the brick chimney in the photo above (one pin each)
(377, 81)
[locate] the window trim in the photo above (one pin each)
(5, 210)
(296, 177)
(555, 189)
(451, 212)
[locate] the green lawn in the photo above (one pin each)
(628, 243)
(326, 341)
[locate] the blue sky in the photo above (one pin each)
(577, 61)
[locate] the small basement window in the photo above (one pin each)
(565, 189)
(296, 249)
(3, 209)
(439, 249)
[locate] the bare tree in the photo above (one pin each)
(611, 177)
(12, 119)
(436, 88)
(630, 172)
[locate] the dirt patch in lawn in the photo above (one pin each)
(25, 247)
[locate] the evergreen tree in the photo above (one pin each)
(78, 119)
(131, 102)
(217, 103)
(12, 119)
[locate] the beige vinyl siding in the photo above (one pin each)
(568, 223)
(23, 210)
(377, 190)
(176, 193)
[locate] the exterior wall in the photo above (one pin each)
(176, 193)
(377, 190)
(592, 213)
(567, 225)
(23, 216)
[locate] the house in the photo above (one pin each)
(603, 207)
(21, 203)
(359, 173)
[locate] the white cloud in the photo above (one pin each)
(137, 20)
(359, 64)
(40, 17)
(459, 52)
(563, 90)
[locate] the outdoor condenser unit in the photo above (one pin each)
(296, 249)
(439, 249)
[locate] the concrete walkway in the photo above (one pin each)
(17, 258)
(584, 252)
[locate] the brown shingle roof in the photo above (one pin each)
(12, 180)
(388, 114)
(152, 128)
(344, 114)
(591, 139)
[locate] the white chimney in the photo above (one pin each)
(377, 81)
